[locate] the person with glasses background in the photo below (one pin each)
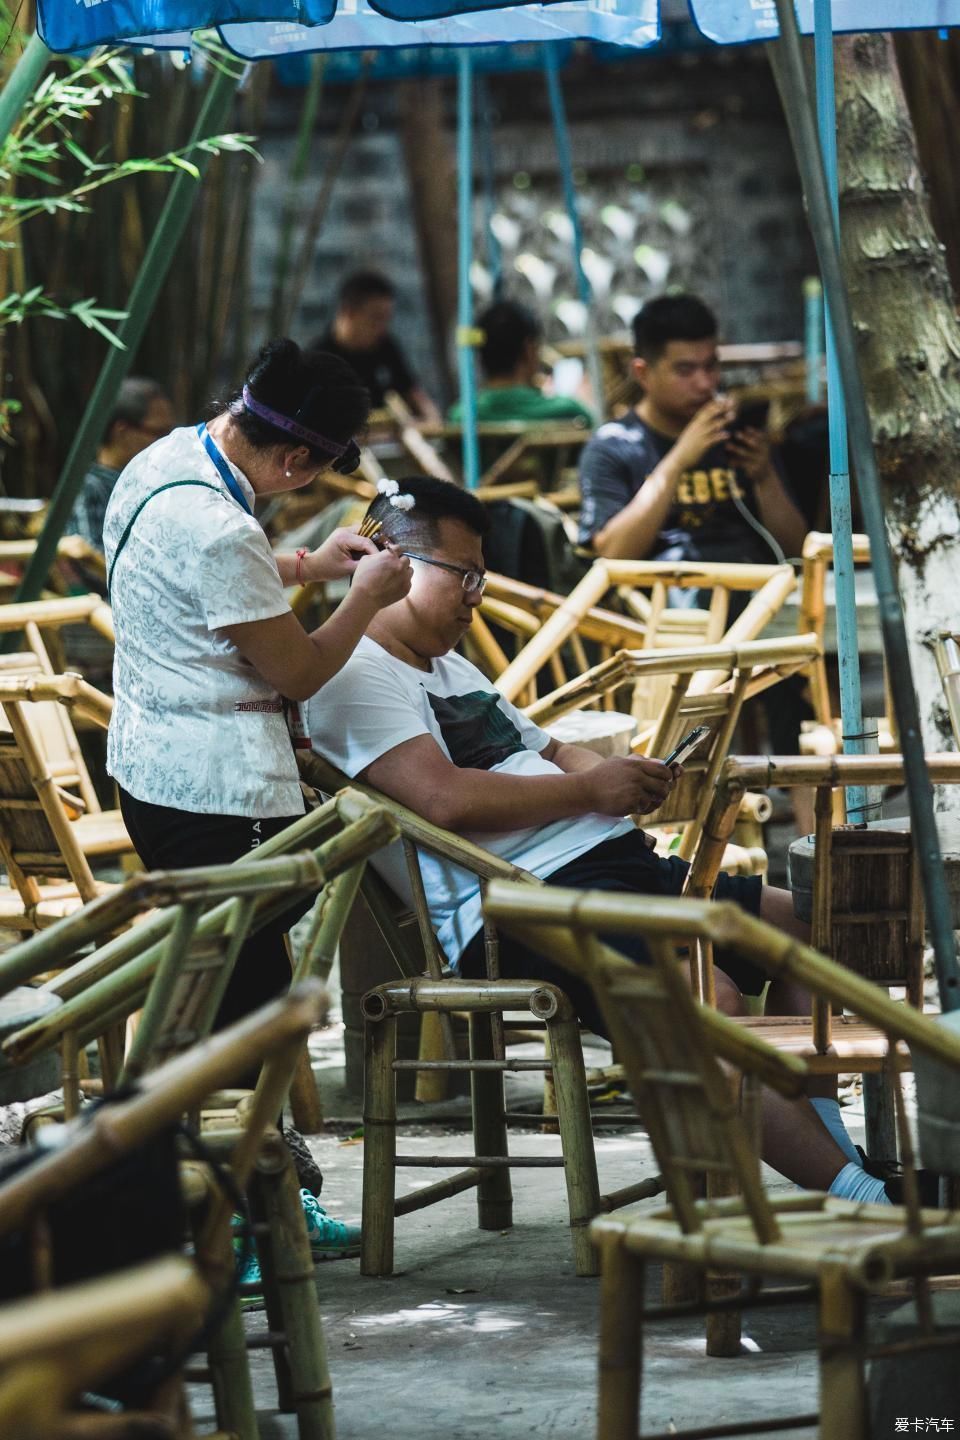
(142, 414)
(417, 721)
(207, 646)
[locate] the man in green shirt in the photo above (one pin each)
(510, 360)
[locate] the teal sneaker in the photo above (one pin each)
(249, 1279)
(329, 1239)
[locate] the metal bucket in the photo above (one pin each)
(18, 1009)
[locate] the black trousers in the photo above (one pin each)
(167, 839)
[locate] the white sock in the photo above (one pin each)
(829, 1112)
(853, 1183)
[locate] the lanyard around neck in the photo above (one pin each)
(223, 469)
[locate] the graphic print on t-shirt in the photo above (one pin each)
(475, 730)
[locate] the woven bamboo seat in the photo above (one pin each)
(835, 1253)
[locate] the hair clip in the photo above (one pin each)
(387, 487)
(402, 502)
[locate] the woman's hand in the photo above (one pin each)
(382, 578)
(338, 557)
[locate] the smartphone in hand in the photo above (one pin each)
(685, 748)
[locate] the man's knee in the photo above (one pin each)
(776, 907)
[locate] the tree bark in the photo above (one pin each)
(909, 342)
(930, 70)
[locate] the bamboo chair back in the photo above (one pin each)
(867, 900)
(745, 669)
(576, 615)
(568, 922)
(689, 1108)
(179, 961)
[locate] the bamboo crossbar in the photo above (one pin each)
(397, 997)
(763, 772)
(483, 1162)
(52, 614)
(70, 690)
(625, 666)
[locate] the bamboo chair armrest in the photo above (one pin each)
(480, 862)
(764, 772)
(70, 690)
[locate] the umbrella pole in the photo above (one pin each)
(156, 263)
(21, 83)
(494, 252)
(841, 521)
(466, 336)
(565, 161)
(788, 67)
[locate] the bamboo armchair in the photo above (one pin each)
(771, 584)
(841, 1253)
(739, 671)
(271, 1037)
(45, 833)
(436, 996)
(541, 451)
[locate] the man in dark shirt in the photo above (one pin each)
(360, 334)
(670, 480)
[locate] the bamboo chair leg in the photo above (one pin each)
(272, 1298)
(312, 1394)
(494, 1192)
(379, 1147)
(432, 1085)
(879, 1115)
(843, 1399)
(549, 1091)
(230, 1377)
(723, 1329)
(306, 1105)
(621, 1344)
(110, 1046)
(579, 1156)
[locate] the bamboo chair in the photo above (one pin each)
(177, 962)
(841, 1253)
(746, 669)
(542, 451)
(44, 833)
(825, 737)
(771, 584)
(439, 995)
(55, 1346)
(271, 1037)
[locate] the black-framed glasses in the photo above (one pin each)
(472, 580)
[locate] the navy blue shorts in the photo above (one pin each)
(626, 865)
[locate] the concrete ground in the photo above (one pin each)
(491, 1334)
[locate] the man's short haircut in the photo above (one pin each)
(434, 500)
(364, 285)
(671, 317)
(134, 398)
(507, 328)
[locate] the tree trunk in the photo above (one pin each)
(930, 70)
(909, 342)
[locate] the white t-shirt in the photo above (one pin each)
(194, 725)
(377, 702)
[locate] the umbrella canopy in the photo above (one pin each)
(263, 29)
(739, 22)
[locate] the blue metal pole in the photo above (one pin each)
(565, 161)
(841, 520)
(494, 252)
(466, 337)
(813, 337)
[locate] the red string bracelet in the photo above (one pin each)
(300, 575)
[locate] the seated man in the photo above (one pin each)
(669, 481)
(360, 334)
(510, 360)
(417, 721)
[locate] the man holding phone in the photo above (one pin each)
(676, 478)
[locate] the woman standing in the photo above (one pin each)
(206, 642)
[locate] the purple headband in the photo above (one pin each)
(285, 422)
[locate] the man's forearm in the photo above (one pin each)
(632, 533)
(485, 801)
